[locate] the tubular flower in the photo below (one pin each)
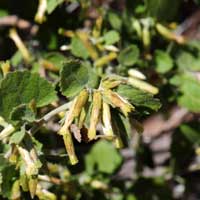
(75, 110)
(118, 101)
(96, 108)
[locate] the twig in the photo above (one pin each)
(13, 20)
(56, 111)
(46, 178)
(48, 116)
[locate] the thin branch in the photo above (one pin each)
(56, 111)
(13, 20)
(48, 116)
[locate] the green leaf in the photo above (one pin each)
(162, 9)
(4, 162)
(190, 101)
(22, 87)
(93, 81)
(115, 20)
(131, 197)
(22, 113)
(52, 4)
(9, 176)
(186, 61)
(129, 56)
(16, 58)
(190, 133)
(164, 62)
(74, 77)
(138, 97)
(56, 59)
(17, 137)
(103, 157)
(3, 13)
(111, 37)
(78, 49)
(189, 88)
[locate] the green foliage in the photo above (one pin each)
(129, 55)
(21, 88)
(162, 9)
(74, 77)
(186, 61)
(190, 89)
(78, 49)
(115, 20)
(52, 4)
(17, 137)
(111, 37)
(103, 157)
(164, 62)
(138, 97)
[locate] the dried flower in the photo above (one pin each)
(96, 108)
(69, 145)
(117, 101)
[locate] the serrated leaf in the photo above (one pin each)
(22, 113)
(93, 81)
(104, 157)
(52, 4)
(74, 77)
(22, 87)
(138, 97)
(78, 49)
(164, 62)
(111, 37)
(129, 56)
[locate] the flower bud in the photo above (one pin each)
(32, 185)
(137, 26)
(15, 191)
(40, 15)
(136, 74)
(31, 170)
(146, 37)
(106, 118)
(45, 194)
(165, 32)
(142, 85)
(69, 145)
(105, 59)
(109, 83)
